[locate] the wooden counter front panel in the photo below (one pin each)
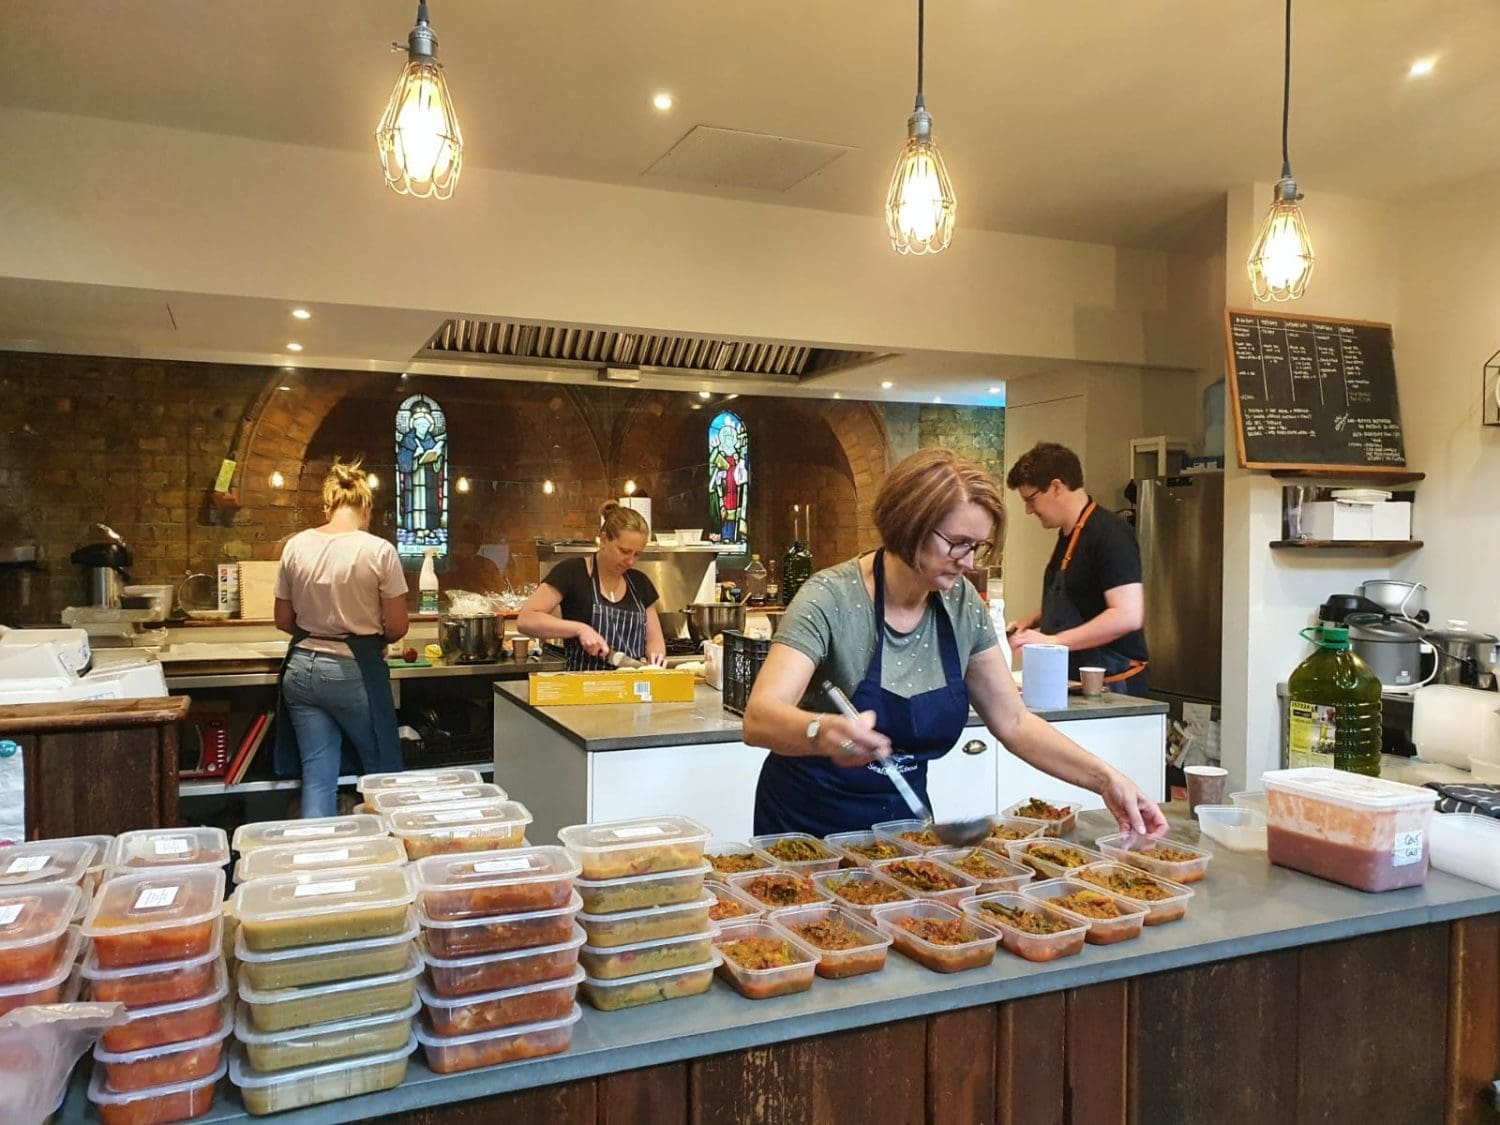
(83, 782)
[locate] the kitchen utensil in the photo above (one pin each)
(1392, 647)
(707, 619)
(475, 638)
(1404, 599)
(956, 833)
(1465, 656)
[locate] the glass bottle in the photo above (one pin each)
(1333, 707)
(755, 581)
(773, 588)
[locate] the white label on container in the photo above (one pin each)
(305, 830)
(443, 795)
(456, 816)
(637, 832)
(492, 866)
(27, 864)
(318, 890)
(154, 898)
(1407, 848)
(9, 914)
(329, 855)
(172, 846)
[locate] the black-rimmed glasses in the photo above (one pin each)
(958, 548)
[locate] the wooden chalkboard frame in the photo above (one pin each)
(1232, 378)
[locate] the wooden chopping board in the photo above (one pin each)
(258, 590)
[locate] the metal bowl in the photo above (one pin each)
(706, 619)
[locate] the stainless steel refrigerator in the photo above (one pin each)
(1180, 526)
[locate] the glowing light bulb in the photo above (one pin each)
(420, 143)
(630, 487)
(462, 484)
(301, 314)
(373, 481)
(1281, 261)
(548, 487)
(277, 480)
(920, 208)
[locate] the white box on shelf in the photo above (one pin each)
(1391, 520)
(1337, 519)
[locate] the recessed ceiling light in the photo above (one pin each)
(662, 101)
(838, 394)
(294, 347)
(994, 390)
(697, 406)
(302, 314)
(705, 395)
(284, 387)
(937, 398)
(886, 385)
(1422, 67)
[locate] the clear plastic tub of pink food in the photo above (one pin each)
(1053, 858)
(646, 845)
(1028, 929)
(847, 945)
(730, 857)
(1058, 817)
(395, 800)
(649, 988)
(158, 1105)
(918, 833)
(731, 903)
(372, 783)
(51, 984)
(45, 861)
(162, 914)
(797, 851)
(448, 1054)
(33, 922)
(492, 972)
(860, 849)
(762, 960)
(168, 847)
(482, 884)
(189, 1061)
(938, 936)
(927, 877)
(1109, 917)
(988, 866)
(1163, 900)
(631, 926)
(316, 856)
(1171, 859)
(313, 832)
(1365, 832)
(485, 1011)
(860, 889)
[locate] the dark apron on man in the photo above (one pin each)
(369, 654)
(1059, 612)
(622, 626)
(814, 795)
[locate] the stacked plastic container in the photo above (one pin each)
(155, 931)
(645, 910)
(451, 819)
(371, 785)
(500, 944)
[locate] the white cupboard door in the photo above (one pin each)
(962, 783)
(1134, 744)
(712, 783)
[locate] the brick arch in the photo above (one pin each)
(861, 432)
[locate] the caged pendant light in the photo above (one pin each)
(420, 144)
(920, 208)
(1281, 261)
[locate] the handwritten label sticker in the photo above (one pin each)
(27, 864)
(154, 898)
(9, 914)
(638, 832)
(1407, 848)
(319, 890)
(328, 855)
(496, 866)
(444, 795)
(304, 831)
(172, 845)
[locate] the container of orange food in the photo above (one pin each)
(142, 986)
(33, 922)
(501, 932)
(167, 847)
(178, 1022)
(452, 829)
(447, 1054)
(486, 1011)
(155, 916)
(131, 1071)
(160, 1105)
(481, 884)
(52, 986)
(491, 972)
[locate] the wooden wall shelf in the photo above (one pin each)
(1379, 546)
(1384, 476)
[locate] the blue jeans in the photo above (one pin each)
(326, 700)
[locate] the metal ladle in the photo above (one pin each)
(954, 833)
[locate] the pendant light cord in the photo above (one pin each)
(921, 36)
(1286, 94)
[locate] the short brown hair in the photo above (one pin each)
(1043, 463)
(347, 486)
(923, 489)
(615, 519)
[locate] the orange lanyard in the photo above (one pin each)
(1073, 539)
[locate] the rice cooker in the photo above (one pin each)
(1392, 647)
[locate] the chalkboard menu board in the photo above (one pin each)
(1313, 392)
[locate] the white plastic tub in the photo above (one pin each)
(1468, 846)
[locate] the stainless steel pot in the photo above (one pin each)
(708, 618)
(471, 638)
(1404, 599)
(1466, 657)
(1390, 646)
(674, 623)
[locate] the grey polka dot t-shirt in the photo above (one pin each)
(831, 621)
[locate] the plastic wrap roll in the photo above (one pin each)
(1044, 677)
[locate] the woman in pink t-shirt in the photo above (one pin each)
(341, 594)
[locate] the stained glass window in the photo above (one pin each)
(728, 476)
(421, 477)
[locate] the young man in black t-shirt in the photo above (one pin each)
(1092, 597)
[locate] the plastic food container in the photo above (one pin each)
(860, 849)
(448, 1054)
(896, 870)
(485, 1011)
(320, 855)
(163, 915)
(314, 831)
(608, 930)
(45, 861)
(494, 972)
(646, 956)
(1364, 832)
(144, 986)
(731, 903)
(282, 1008)
(648, 988)
(479, 885)
(1102, 931)
(94, 874)
(784, 848)
(1468, 846)
(372, 783)
(50, 986)
(730, 857)
(620, 848)
(1144, 852)
(325, 1042)
(1238, 829)
(860, 890)
(1026, 852)
(1249, 799)
(481, 827)
(164, 1066)
(160, 1105)
(1033, 947)
(976, 951)
(501, 933)
(763, 983)
(266, 970)
(637, 892)
(33, 922)
(179, 1022)
(777, 888)
(1050, 826)
(917, 833)
(990, 869)
(1172, 906)
(410, 797)
(866, 956)
(326, 1082)
(319, 908)
(168, 847)
(1006, 829)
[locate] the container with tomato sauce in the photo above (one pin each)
(500, 933)
(179, 1022)
(159, 1105)
(132, 1071)
(454, 829)
(485, 1011)
(509, 881)
(447, 1054)
(490, 972)
(53, 985)
(155, 916)
(33, 922)
(45, 861)
(142, 986)
(167, 847)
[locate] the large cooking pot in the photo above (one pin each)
(1391, 647)
(674, 623)
(705, 619)
(1466, 657)
(471, 638)
(1404, 599)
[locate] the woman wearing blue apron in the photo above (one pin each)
(904, 633)
(600, 604)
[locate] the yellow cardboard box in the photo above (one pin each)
(627, 685)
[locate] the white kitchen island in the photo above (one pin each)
(570, 765)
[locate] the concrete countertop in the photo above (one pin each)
(634, 726)
(1244, 907)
